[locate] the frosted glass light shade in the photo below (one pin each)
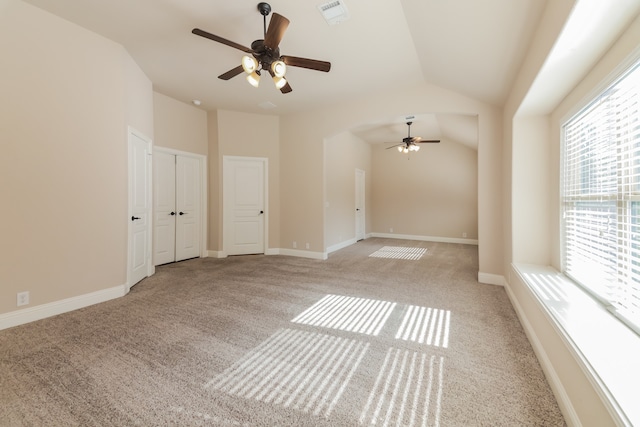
(249, 64)
(279, 81)
(279, 68)
(254, 79)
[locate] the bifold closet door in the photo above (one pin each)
(164, 208)
(177, 210)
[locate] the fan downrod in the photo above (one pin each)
(264, 8)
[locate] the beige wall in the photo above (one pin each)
(249, 135)
(302, 137)
(344, 153)
(67, 98)
(179, 126)
(138, 97)
(433, 192)
(531, 182)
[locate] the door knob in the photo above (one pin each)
(261, 212)
(133, 218)
(182, 213)
(172, 213)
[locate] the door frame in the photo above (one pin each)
(265, 189)
(202, 159)
(360, 191)
(131, 132)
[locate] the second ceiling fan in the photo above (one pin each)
(410, 143)
(265, 53)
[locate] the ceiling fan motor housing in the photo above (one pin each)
(264, 55)
(264, 8)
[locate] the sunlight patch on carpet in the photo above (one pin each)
(399, 252)
(407, 391)
(303, 370)
(425, 325)
(351, 314)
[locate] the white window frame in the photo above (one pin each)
(622, 235)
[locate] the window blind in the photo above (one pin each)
(601, 198)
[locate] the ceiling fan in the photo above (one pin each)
(410, 143)
(265, 53)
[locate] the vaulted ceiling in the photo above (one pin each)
(473, 47)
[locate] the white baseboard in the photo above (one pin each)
(426, 238)
(303, 254)
(346, 243)
(38, 312)
(269, 251)
(341, 245)
(216, 254)
(491, 279)
(277, 251)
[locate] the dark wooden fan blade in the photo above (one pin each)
(277, 26)
(312, 64)
(202, 33)
(427, 141)
(231, 73)
(394, 146)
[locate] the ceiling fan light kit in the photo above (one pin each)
(279, 82)
(279, 68)
(265, 53)
(410, 143)
(254, 79)
(249, 64)
(411, 147)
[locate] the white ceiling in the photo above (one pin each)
(473, 47)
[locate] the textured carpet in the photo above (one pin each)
(284, 341)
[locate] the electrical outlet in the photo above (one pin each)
(23, 298)
(307, 245)
(464, 234)
(391, 230)
(294, 244)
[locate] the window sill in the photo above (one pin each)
(608, 351)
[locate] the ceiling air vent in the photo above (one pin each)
(334, 12)
(267, 105)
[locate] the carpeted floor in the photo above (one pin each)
(284, 341)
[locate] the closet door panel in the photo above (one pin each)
(188, 182)
(164, 208)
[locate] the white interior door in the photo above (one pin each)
(164, 208)
(188, 179)
(360, 211)
(244, 205)
(139, 218)
(177, 207)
